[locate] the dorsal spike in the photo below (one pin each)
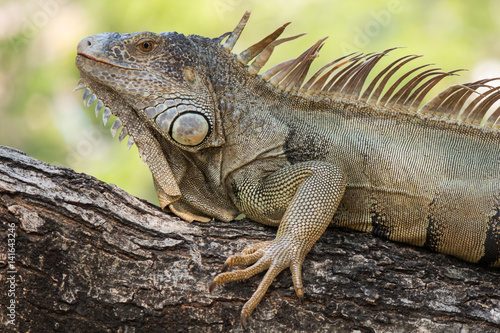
(278, 77)
(331, 85)
(478, 110)
(393, 67)
(319, 83)
(419, 94)
(391, 90)
(358, 80)
(344, 81)
(341, 83)
(476, 85)
(297, 76)
(493, 118)
(263, 57)
(456, 101)
(219, 39)
(276, 69)
(358, 77)
(251, 52)
(453, 99)
(436, 101)
(484, 116)
(235, 34)
(300, 80)
(313, 78)
(481, 115)
(373, 83)
(451, 107)
(416, 97)
(470, 107)
(402, 94)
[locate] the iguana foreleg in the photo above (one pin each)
(302, 199)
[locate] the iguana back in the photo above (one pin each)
(409, 178)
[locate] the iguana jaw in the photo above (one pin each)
(147, 144)
(105, 96)
(108, 101)
(98, 85)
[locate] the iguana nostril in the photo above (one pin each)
(86, 44)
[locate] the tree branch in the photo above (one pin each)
(91, 258)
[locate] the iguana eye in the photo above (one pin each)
(190, 129)
(146, 46)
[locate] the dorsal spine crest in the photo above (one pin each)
(346, 77)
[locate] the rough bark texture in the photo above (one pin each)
(91, 258)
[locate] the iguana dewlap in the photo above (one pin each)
(221, 140)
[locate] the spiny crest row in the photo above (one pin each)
(89, 98)
(345, 78)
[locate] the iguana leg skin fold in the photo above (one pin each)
(311, 192)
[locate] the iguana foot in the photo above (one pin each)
(273, 256)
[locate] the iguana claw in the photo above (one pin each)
(225, 267)
(300, 296)
(212, 286)
(244, 317)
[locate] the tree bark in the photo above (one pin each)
(80, 255)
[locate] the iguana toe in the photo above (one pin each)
(273, 256)
(254, 247)
(242, 260)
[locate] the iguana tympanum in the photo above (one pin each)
(337, 149)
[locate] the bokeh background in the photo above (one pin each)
(40, 115)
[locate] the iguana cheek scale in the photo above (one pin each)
(300, 152)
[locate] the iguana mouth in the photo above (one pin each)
(92, 58)
(102, 61)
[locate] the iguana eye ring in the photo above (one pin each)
(146, 46)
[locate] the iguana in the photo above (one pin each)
(338, 149)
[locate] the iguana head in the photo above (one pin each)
(176, 84)
(157, 76)
(158, 87)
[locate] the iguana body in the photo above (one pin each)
(221, 140)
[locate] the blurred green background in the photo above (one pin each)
(40, 115)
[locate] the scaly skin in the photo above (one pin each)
(300, 186)
(221, 140)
